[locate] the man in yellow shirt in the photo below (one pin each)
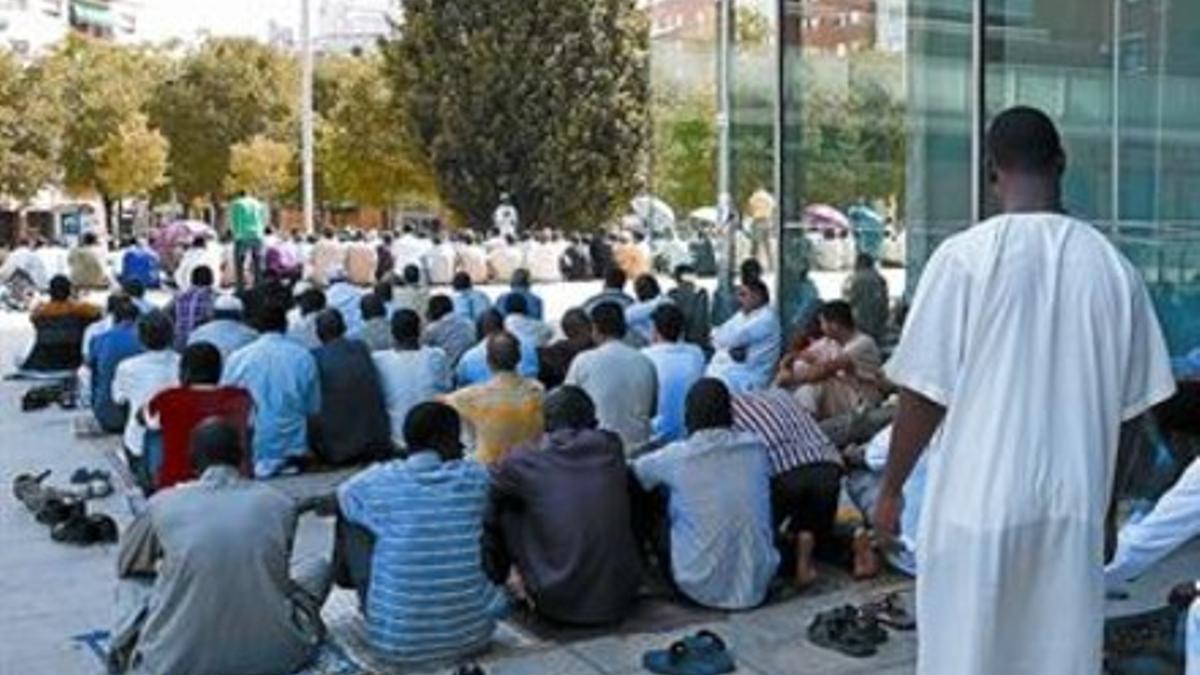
(506, 411)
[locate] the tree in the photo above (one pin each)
(366, 151)
(227, 92)
(685, 151)
(29, 129)
(262, 167)
(544, 99)
(133, 161)
(97, 87)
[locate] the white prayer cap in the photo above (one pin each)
(228, 303)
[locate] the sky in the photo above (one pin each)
(164, 19)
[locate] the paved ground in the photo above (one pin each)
(56, 598)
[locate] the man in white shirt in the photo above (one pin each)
(472, 259)
(25, 260)
(410, 374)
(506, 219)
(620, 380)
(505, 260)
(1030, 341)
(544, 257)
(748, 344)
(327, 255)
(679, 366)
(137, 380)
(409, 249)
(440, 262)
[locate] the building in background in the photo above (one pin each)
(687, 20)
(109, 19)
(353, 26)
(29, 27)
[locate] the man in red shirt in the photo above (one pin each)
(177, 411)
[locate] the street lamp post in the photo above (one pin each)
(306, 114)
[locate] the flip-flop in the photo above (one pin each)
(839, 630)
(704, 653)
(26, 487)
(890, 611)
(57, 510)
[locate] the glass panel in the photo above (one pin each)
(843, 145)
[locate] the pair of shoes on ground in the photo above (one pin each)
(704, 653)
(470, 669)
(858, 631)
(66, 511)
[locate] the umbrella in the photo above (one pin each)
(826, 217)
(170, 239)
(708, 214)
(657, 214)
(869, 230)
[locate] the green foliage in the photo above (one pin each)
(262, 167)
(366, 152)
(685, 151)
(133, 161)
(227, 92)
(29, 130)
(544, 99)
(96, 86)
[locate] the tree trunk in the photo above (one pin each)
(106, 201)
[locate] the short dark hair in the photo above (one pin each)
(385, 290)
(839, 312)
(90, 239)
(155, 330)
(614, 277)
(575, 323)
(60, 288)
(864, 261)
(751, 270)
(123, 308)
(759, 288)
(412, 274)
(669, 321)
(489, 322)
(683, 270)
(439, 306)
(133, 287)
(1024, 139)
(503, 351)
(646, 287)
(709, 406)
(568, 407)
(216, 442)
(372, 306)
(462, 281)
(432, 426)
(406, 325)
(202, 276)
(311, 301)
(330, 325)
(609, 320)
(271, 316)
(516, 303)
(200, 364)
(520, 278)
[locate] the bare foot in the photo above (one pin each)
(806, 572)
(866, 560)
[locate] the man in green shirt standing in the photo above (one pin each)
(248, 218)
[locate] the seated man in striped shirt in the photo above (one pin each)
(427, 599)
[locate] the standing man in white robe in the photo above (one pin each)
(1030, 341)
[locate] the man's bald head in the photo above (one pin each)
(503, 352)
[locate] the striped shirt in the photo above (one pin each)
(792, 437)
(428, 598)
(193, 308)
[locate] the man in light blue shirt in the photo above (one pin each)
(227, 332)
(720, 549)
(749, 343)
(469, 302)
(521, 287)
(473, 367)
(281, 376)
(427, 599)
(679, 365)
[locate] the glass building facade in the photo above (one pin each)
(884, 103)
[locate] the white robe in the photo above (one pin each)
(759, 333)
(1174, 521)
(1039, 338)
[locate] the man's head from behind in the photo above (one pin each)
(200, 365)
(216, 442)
(837, 320)
(436, 427)
(311, 301)
(202, 276)
(439, 306)
(372, 307)
(614, 278)
(668, 323)
(122, 308)
(576, 325)
(569, 407)
(406, 328)
(1024, 149)
(489, 323)
(462, 282)
(155, 330)
(412, 275)
(608, 322)
(503, 352)
(646, 288)
(520, 278)
(60, 288)
(708, 406)
(516, 303)
(330, 326)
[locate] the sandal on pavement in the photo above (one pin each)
(891, 611)
(840, 630)
(86, 530)
(26, 488)
(704, 653)
(84, 475)
(57, 510)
